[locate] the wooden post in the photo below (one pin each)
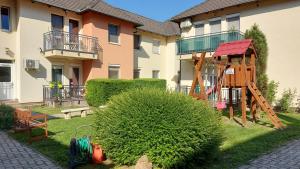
(253, 108)
(244, 88)
(244, 113)
(230, 104)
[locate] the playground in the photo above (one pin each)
(235, 66)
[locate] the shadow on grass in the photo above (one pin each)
(56, 146)
(261, 139)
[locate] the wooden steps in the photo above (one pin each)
(265, 105)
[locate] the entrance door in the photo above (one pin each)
(74, 31)
(6, 81)
(75, 81)
(57, 72)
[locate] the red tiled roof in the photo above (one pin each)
(233, 48)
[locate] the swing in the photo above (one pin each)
(221, 105)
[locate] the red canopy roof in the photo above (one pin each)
(239, 47)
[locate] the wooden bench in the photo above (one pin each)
(24, 120)
(68, 112)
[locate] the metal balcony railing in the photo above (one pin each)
(65, 41)
(66, 93)
(207, 42)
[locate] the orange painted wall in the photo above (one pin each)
(95, 24)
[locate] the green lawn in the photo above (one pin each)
(51, 110)
(240, 144)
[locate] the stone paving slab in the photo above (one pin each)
(14, 155)
(285, 157)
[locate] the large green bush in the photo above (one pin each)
(6, 116)
(173, 130)
(100, 90)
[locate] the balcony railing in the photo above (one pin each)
(207, 42)
(66, 93)
(64, 41)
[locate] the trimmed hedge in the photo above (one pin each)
(6, 116)
(173, 130)
(99, 91)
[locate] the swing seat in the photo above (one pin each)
(221, 105)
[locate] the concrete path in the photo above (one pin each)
(14, 155)
(285, 157)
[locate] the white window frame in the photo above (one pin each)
(119, 34)
(115, 66)
(9, 15)
(233, 16)
(199, 23)
(158, 48)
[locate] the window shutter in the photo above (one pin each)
(199, 29)
(215, 26)
(233, 23)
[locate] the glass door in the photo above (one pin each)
(6, 82)
(73, 33)
(57, 72)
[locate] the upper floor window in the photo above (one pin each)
(156, 47)
(57, 22)
(113, 33)
(233, 23)
(137, 41)
(199, 29)
(5, 18)
(215, 26)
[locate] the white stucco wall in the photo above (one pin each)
(34, 21)
(280, 23)
(8, 39)
(166, 62)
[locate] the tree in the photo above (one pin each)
(261, 46)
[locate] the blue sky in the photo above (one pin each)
(160, 10)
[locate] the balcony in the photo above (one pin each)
(207, 42)
(58, 44)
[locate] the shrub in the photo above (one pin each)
(6, 116)
(99, 91)
(272, 91)
(173, 130)
(286, 101)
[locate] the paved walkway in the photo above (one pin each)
(14, 155)
(285, 157)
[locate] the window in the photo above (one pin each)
(215, 26)
(136, 73)
(57, 73)
(113, 33)
(137, 41)
(199, 29)
(114, 72)
(156, 47)
(155, 74)
(5, 19)
(5, 74)
(57, 22)
(233, 23)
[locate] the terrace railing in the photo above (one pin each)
(207, 42)
(65, 93)
(65, 41)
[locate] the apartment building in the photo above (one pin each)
(71, 42)
(212, 22)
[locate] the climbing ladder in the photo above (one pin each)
(265, 105)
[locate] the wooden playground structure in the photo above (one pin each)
(235, 64)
